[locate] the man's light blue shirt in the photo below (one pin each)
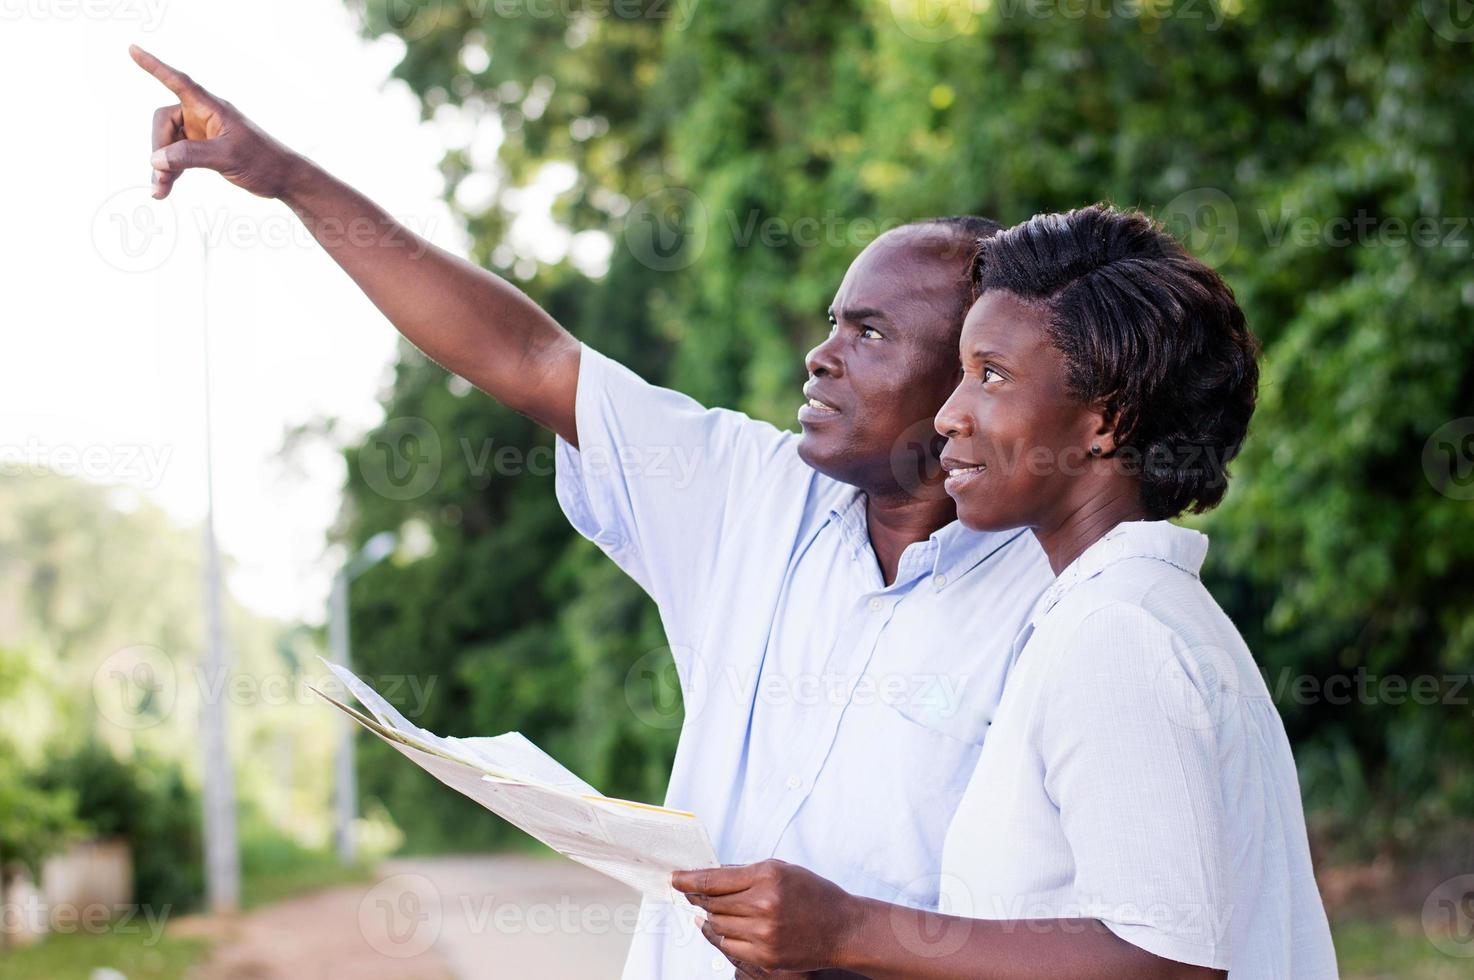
(831, 721)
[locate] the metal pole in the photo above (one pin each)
(345, 778)
(222, 856)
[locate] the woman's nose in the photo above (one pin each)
(952, 420)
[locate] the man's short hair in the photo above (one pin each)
(965, 232)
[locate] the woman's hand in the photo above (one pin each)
(772, 916)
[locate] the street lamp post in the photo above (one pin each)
(345, 778)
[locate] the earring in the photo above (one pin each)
(1095, 450)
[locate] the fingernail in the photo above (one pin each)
(160, 160)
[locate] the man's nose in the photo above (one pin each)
(824, 360)
(952, 420)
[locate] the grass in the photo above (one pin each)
(1394, 949)
(273, 869)
(73, 956)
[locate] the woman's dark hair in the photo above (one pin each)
(1149, 332)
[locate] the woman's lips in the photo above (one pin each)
(961, 475)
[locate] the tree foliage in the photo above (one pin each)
(1316, 153)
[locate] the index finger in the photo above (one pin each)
(714, 881)
(174, 80)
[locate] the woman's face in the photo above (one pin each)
(1018, 444)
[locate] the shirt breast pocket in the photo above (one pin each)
(942, 715)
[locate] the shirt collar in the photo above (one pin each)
(1159, 540)
(948, 554)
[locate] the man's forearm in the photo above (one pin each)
(471, 321)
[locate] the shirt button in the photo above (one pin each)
(875, 604)
(794, 782)
(717, 962)
(939, 581)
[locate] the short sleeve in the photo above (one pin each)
(1131, 748)
(658, 481)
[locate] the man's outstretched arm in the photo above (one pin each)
(472, 321)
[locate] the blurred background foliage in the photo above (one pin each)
(1248, 127)
(724, 163)
(96, 586)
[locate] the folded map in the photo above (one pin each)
(635, 843)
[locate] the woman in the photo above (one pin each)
(1135, 810)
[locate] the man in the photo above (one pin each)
(837, 686)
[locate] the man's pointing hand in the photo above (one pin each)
(201, 130)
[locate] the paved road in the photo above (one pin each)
(503, 917)
(452, 918)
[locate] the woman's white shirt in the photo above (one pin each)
(1137, 772)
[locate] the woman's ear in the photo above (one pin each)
(1105, 440)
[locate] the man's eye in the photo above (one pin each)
(833, 326)
(989, 376)
(870, 333)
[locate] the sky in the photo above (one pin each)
(107, 294)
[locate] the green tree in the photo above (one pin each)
(1296, 147)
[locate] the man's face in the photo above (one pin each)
(888, 364)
